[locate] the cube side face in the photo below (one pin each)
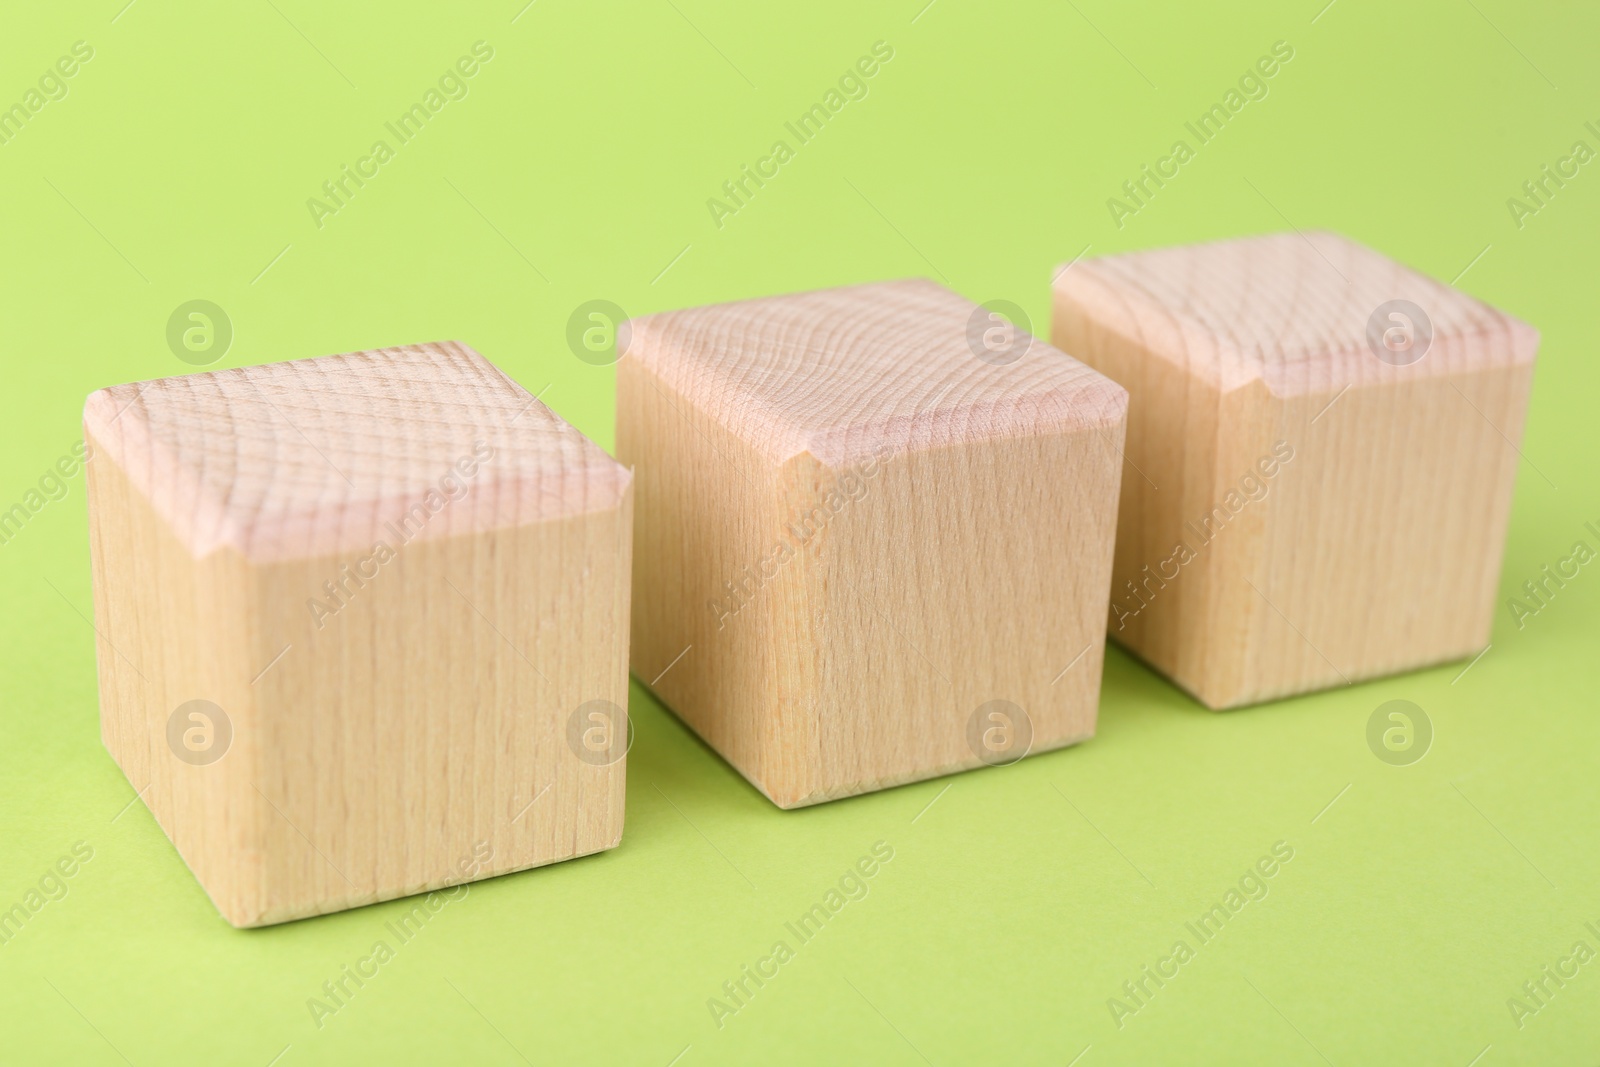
(1385, 533)
(447, 709)
(175, 630)
(943, 587)
(706, 525)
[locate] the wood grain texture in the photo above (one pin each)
(1298, 512)
(853, 534)
(398, 576)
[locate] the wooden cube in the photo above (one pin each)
(1321, 449)
(874, 534)
(360, 618)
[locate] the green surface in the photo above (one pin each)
(577, 167)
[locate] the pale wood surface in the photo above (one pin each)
(962, 555)
(314, 456)
(1376, 547)
(416, 736)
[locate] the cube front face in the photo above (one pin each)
(408, 705)
(1309, 513)
(899, 647)
(414, 770)
(834, 604)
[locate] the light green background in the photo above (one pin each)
(578, 167)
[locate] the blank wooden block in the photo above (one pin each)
(865, 555)
(398, 584)
(1319, 474)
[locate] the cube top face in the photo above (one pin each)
(310, 457)
(1296, 311)
(840, 373)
